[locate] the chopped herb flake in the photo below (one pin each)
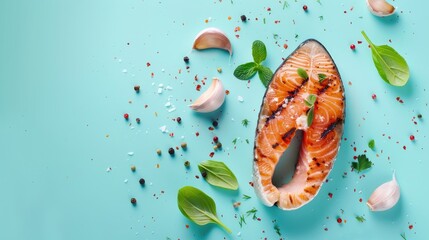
(277, 228)
(245, 122)
(371, 144)
(302, 73)
(245, 197)
(360, 219)
(321, 77)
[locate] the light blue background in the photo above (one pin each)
(63, 89)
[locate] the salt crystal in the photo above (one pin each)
(159, 90)
(108, 169)
(238, 234)
(168, 104)
(160, 85)
(130, 153)
(124, 70)
(169, 88)
(163, 129)
(172, 109)
(126, 180)
(240, 98)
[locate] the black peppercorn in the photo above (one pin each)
(243, 18)
(138, 120)
(171, 151)
(215, 123)
(179, 120)
(133, 201)
(142, 181)
(204, 174)
(186, 59)
(137, 88)
(419, 116)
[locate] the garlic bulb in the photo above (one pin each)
(212, 38)
(211, 99)
(385, 196)
(380, 8)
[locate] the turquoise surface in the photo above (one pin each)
(66, 78)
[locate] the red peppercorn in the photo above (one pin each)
(126, 116)
(137, 88)
(305, 8)
(133, 201)
(374, 96)
(215, 139)
(352, 47)
(412, 137)
(179, 120)
(339, 220)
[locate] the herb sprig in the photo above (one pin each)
(363, 163)
(247, 70)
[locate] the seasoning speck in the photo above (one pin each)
(142, 181)
(171, 151)
(137, 88)
(187, 163)
(158, 151)
(184, 145)
(179, 120)
(305, 8)
(133, 201)
(352, 47)
(243, 18)
(215, 123)
(138, 120)
(204, 174)
(126, 116)
(133, 168)
(186, 59)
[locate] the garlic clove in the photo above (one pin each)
(380, 8)
(385, 196)
(211, 99)
(212, 38)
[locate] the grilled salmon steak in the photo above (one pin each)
(306, 93)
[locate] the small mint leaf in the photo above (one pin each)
(246, 71)
(265, 74)
(310, 116)
(321, 77)
(259, 51)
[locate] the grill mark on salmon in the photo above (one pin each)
(330, 128)
(283, 112)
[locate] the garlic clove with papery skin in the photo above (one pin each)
(385, 196)
(211, 99)
(380, 8)
(212, 38)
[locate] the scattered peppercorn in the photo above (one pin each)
(137, 88)
(352, 47)
(219, 145)
(339, 220)
(133, 201)
(204, 174)
(186, 59)
(158, 151)
(126, 116)
(142, 181)
(179, 120)
(133, 168)
(412, 137)
(236, 204)
(374, 96)
(419, 116)
(187, 163)
(215, 139)
(305, 7)
(184, 145)
(243, 18)
(215, 147)
(215, 123)
(171, 151)
(138, 120)
(219, 70)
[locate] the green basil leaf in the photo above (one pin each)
(302, 73)
(218, 174)
(310, 116)
(246, 71)
(259, 51)
(265, 74)
(198, 207)
(311, 99)
(371, 144)
(321, 77)
(391, 66)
